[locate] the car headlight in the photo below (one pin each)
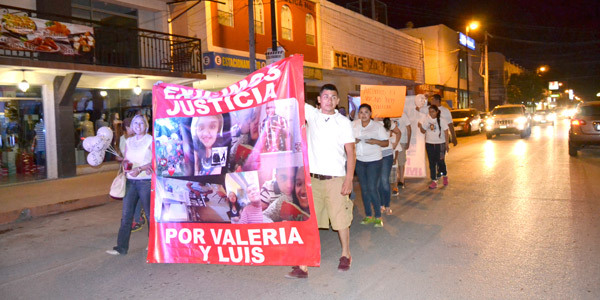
(489, 121)
(521, 120)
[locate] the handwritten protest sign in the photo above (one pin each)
(386, 101)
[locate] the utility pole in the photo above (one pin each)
(467, 61)
(251, 42)
(486, 77)
(273, 26)
(458, 79)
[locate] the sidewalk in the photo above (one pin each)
(30, 200)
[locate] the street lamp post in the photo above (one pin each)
(472, 25)
(486, 76)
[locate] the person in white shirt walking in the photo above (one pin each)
(370, 138)
(331, 157)
(404, 131)
(436, 144)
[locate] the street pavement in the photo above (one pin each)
(519, 220)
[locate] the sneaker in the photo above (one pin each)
(367, 220)
(395, 192)
(113, 252)
(383, 209)
(388, 211)
(345, 263)
(401, 185)
(143, 218)
(433, 185)
(135, 227)
(445, 180)
(378, 222)
(296, 273)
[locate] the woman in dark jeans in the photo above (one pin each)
(387, 161)
(370, 137)
(137, 164)
(436, 144)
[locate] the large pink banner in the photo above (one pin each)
(231, 179)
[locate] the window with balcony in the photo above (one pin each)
(225, 12)
(310, 30)
(286, 23)
(259, 17)
(104, 12)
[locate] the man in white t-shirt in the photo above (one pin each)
(332, 158)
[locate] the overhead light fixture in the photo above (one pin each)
(103, 93)
(23, 85)
(137, 89)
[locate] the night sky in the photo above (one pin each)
(565, 35)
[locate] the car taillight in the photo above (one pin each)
(576, 122)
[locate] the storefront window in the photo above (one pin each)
(95, 108)
(22, 135)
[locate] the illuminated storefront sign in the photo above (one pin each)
(466, 41)
(214, 60)
(343, 60)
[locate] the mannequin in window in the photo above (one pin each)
(101, 122)
(87, 127)
(117, 127)
(39, 143)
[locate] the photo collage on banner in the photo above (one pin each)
(230, 164)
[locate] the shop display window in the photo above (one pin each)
(95, 108)
(22, 135)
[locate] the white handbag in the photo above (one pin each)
(117, 189)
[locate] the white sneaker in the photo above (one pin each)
(113, 252)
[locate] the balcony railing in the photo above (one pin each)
(120, 46)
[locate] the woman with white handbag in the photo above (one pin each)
(137, 165)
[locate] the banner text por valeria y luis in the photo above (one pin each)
(235, 245)
(189, 102)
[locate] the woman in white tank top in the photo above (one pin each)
(138, 168)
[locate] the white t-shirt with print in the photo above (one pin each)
(391, 137)
(402, 123)
(327, 136)
(444, 113)
(433, 134)
(368, 152)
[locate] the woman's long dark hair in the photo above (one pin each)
(438, 117)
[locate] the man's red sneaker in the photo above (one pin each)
(345, 263)
(296, 273)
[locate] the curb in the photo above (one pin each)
(52, 209)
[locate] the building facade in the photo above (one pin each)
(446, 69)
(500, 71)
(88, 64)
(339, 46)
